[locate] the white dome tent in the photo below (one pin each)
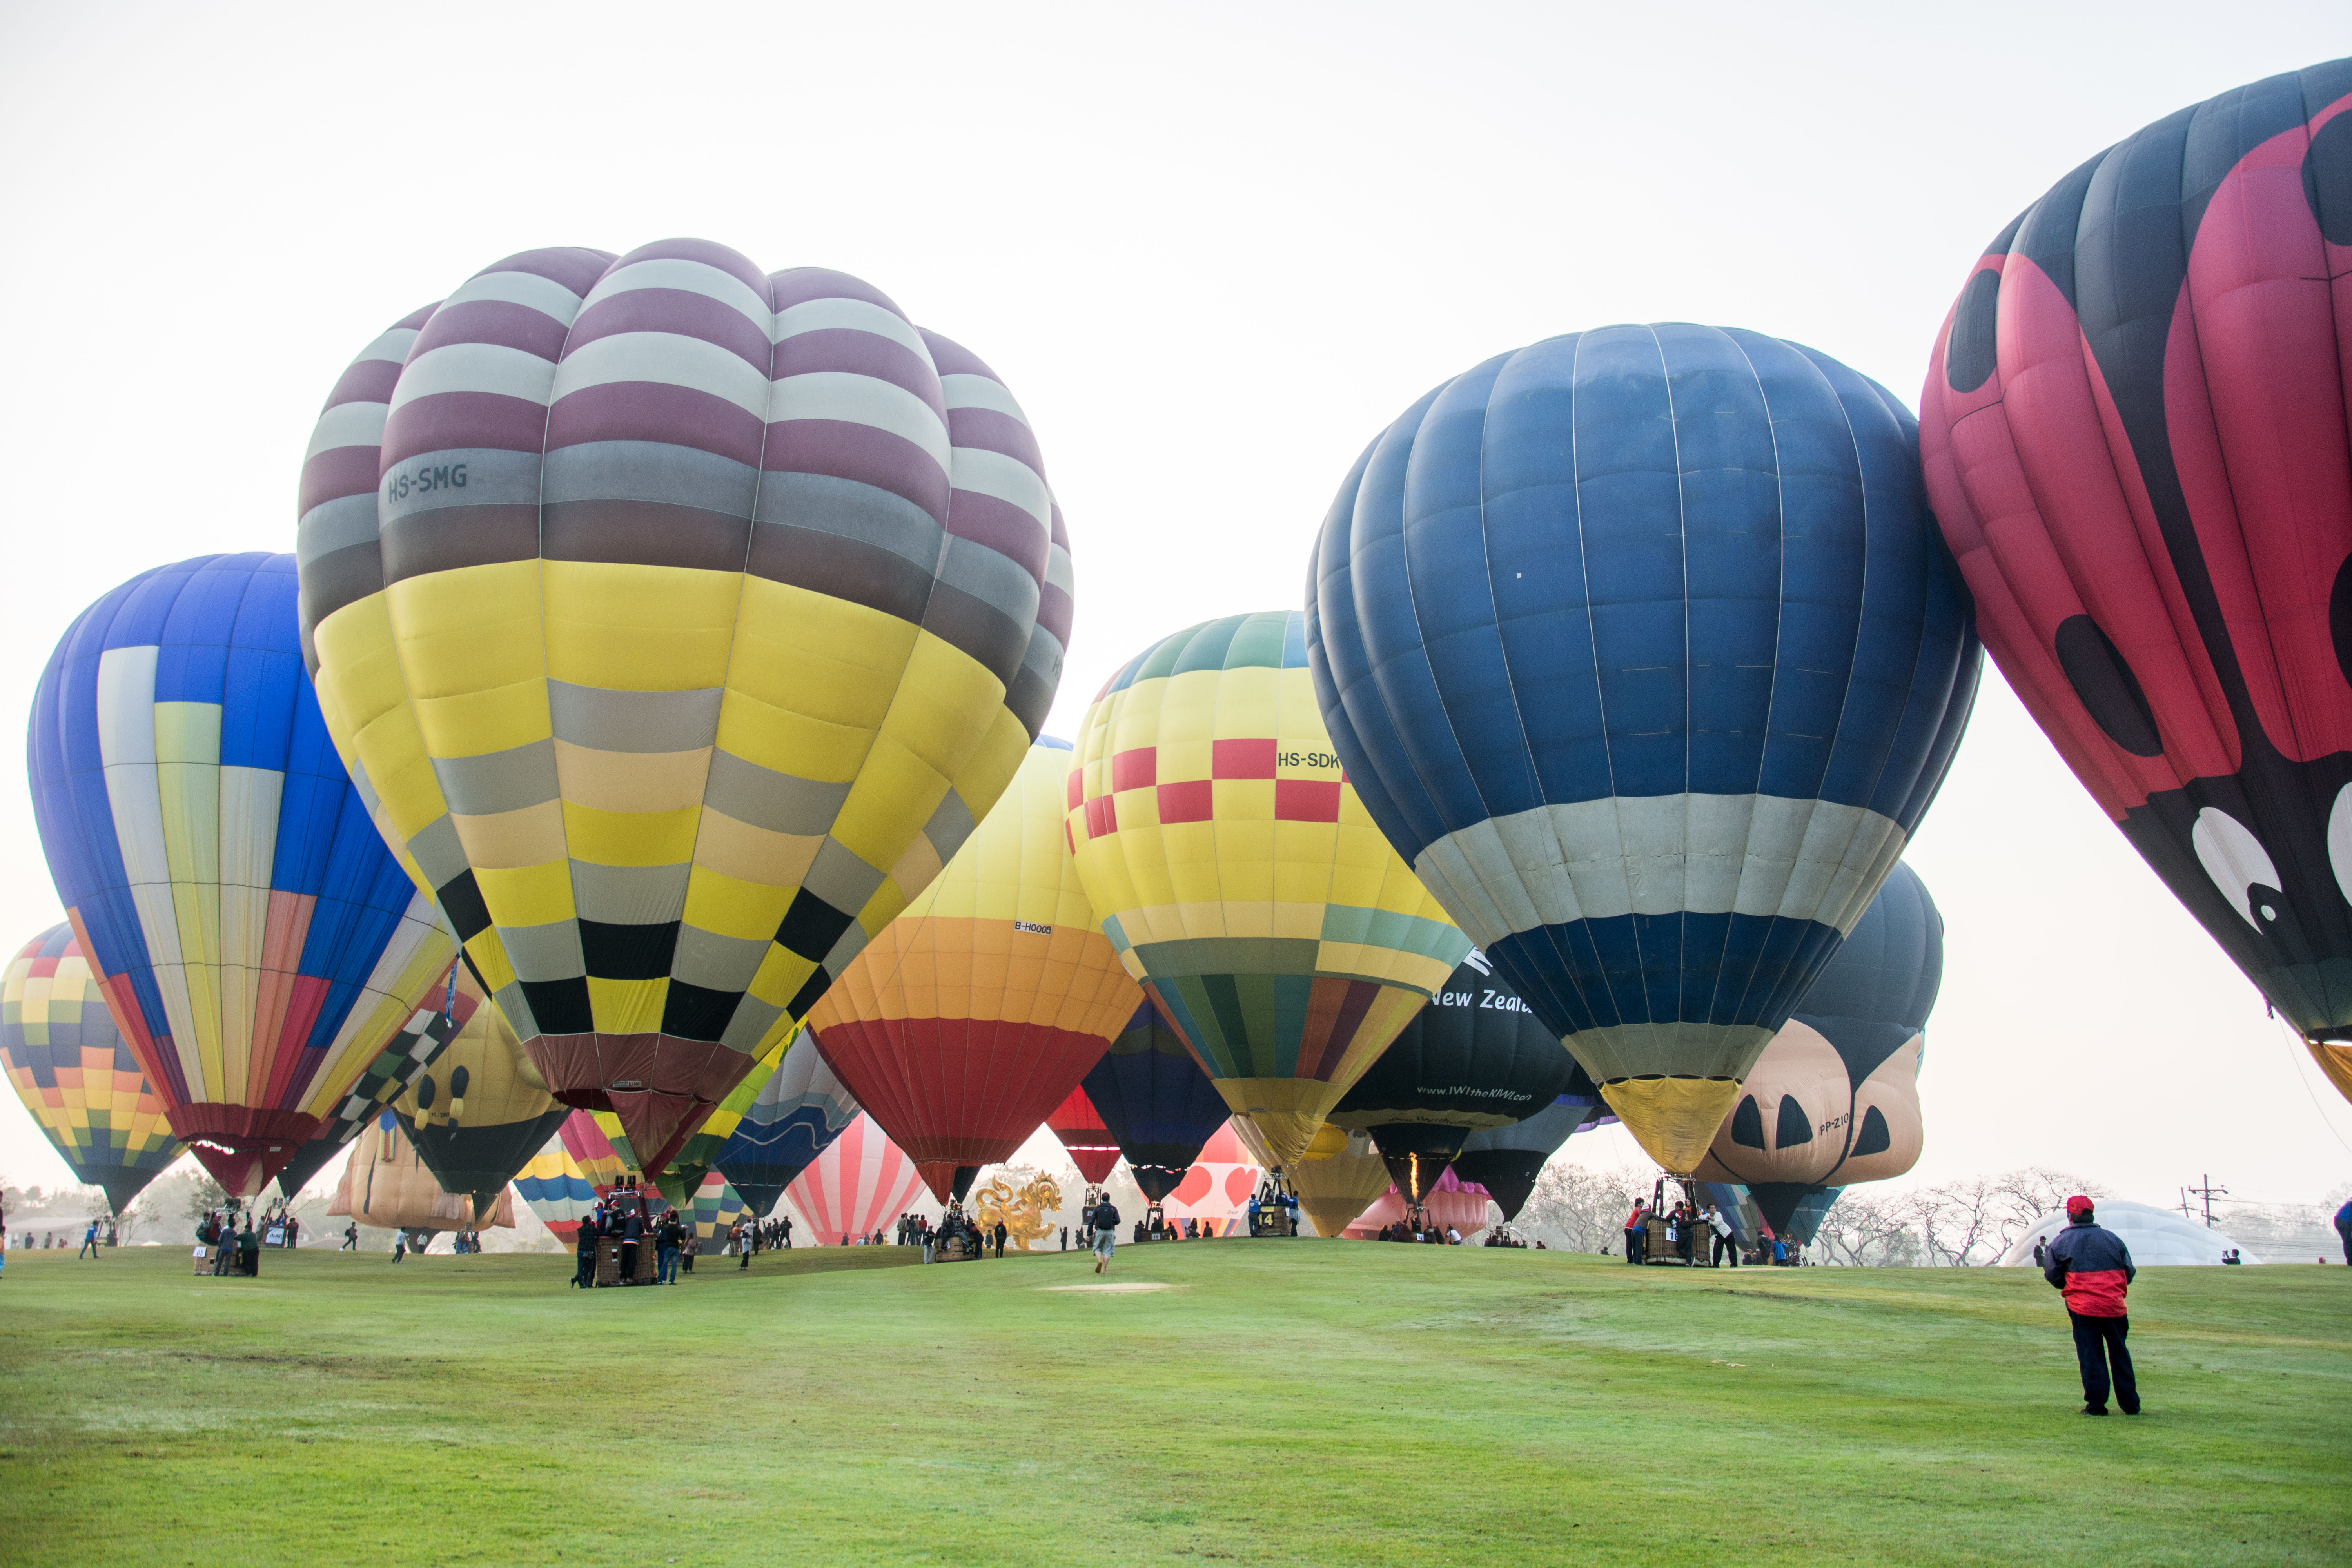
(2156, 1237)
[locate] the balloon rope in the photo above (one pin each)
(2299, 1050)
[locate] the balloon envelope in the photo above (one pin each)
(1640, 644)
(1506, 1161)
(479, 1112)
(255, 943)
(1450, 1203)
(76, 1073)
(1336, 1189)
(975, 1013)
(1835, 1097)
(683, 618)
(1476, 1058)
(797, 1112)
(415, 1046)
(1235, 870)
(1085, 1137)
(385, 1184)
(2135, 434)
(1160, 1107)
(861, 1183)
(557, 1190)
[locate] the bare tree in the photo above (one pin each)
(1581, 1209)
(1868, 1232)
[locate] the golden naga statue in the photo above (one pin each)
(1023, 1212)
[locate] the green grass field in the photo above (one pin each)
(1308, 1402)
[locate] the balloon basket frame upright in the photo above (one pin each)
(1658, 1245)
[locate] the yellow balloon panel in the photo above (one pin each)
(1237, 873)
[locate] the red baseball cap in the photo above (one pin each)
(2078, 1206)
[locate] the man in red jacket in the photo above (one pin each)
(2094, 1267)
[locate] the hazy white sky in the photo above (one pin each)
(1214, 248)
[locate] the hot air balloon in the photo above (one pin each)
(974, 1014)
(592, 1151)
(479, 1112)
(798, 1111)
(682, 619)
(1506, 1161)
(1160, 1107)
(387, 1185)
(1834, 1099)
(1336, 1188)
(2135, 437)
(76, 1073)
(255, 943)
(714, 1209)
(1217, 1189)
(1640, 644)
(693, 1160)
(1232, 864)
(1476, 1058)
(415, 1046)
(1451, 1204)
(557, 1190)
(861, 1183)
(1085, 1136)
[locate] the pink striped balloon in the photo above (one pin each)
(861, 1183)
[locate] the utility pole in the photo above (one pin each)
(2209, 1191)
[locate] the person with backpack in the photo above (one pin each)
(1105, 1219)
(2094, 1268)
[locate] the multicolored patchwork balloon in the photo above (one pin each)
(2135, 431)
(681, 620)
(799, 1111)
(76, 1074)
(557, 1190)
(255, 940)
(974, 1014)
(1236, 871)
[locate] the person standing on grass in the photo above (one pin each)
(584, 1240)
(742, 1248)
(667, 1244)
(88, 1243)
(1105, 1220)
(1725, 1239)
(999, 1238)
(2344, 1229)
(2094, 1268)
(1637, 1230)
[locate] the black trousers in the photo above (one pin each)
(1635, 1244)
(1724, 1243)
(628, 1263)
(2099, 1347)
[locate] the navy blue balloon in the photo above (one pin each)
(1160, 1106)
(1641, 646)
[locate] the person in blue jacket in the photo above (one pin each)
(2344, 1229)
(2094, 1268)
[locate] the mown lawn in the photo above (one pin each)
(1307, 1401)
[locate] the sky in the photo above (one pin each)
(1214, 250)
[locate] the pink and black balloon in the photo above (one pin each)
(2135, 438)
